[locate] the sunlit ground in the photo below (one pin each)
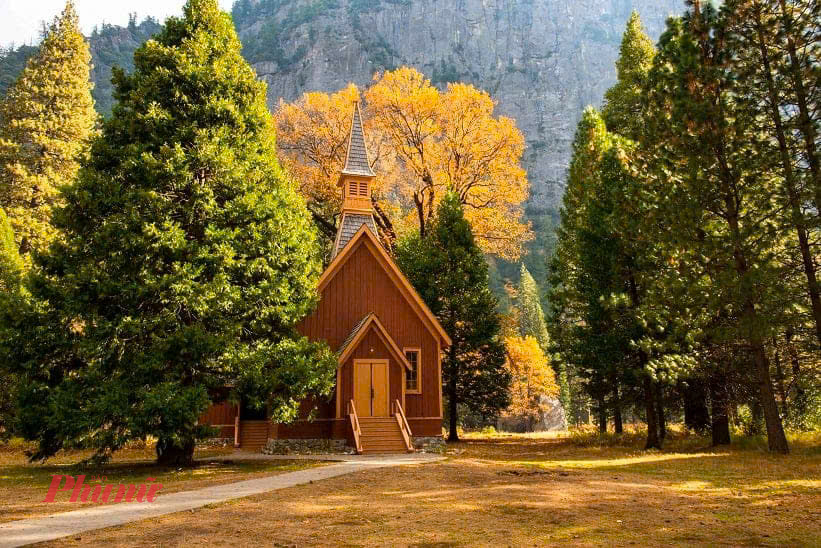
(23, 485)
(530, 490)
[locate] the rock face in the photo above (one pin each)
(544, 61)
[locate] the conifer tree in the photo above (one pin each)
(451, 274)
(623, 102)
(188, 259)
(712, 187)
(11, 268)
(46, 120)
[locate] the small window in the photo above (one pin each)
(412, 377)
(352, 190)
(363, 189)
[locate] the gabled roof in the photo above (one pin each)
(357, 161)
(348, 227)
(360, 330)
(411, 296)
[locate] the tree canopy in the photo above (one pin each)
(424, 143)
(188, 258)
(46, 121)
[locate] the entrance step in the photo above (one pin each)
(381, 435)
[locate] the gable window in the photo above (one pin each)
(412, 381)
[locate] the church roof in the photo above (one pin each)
(357, 161)
(359, 331)
(350, 225)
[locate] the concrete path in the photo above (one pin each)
(29, 531)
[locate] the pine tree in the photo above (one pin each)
(46, 120)
(713, 189)
(188, 259)
(623, 102)
(756, 36)
(533, 324)
(11, 268)
(451, 274)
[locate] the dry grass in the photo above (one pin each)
(525, 491)
(23, 485)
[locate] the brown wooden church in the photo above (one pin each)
(389, 344)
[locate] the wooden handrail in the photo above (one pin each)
(404, 427)
(357, 431)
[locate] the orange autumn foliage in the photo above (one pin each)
(533, 377)
(423, 142)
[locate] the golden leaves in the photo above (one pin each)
(423, 143)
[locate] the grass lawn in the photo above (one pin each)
(23, 486)
(526, 491)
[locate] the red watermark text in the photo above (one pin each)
(100, 493)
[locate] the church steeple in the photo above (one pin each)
(355, 181)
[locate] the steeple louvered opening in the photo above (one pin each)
(355, 181)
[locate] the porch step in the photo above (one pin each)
(253, 435)
(381, 435)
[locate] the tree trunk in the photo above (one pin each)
(453, 433)
(169, 454)
(601, 414)
(618, 425)
(776, 439)
(696, 414)
(662, 419)
(779, 377)
(720, 402)
(653, 441)
(805, 124)
(789, 180)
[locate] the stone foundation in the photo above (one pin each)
(217, 442)
(432, 444)
(307, 447)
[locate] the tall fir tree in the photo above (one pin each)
(11, 270)
(712, 185)
(623, 102)
(188, 259)
(46, 121)
(757, 36)
(532, 324)
(451, 274)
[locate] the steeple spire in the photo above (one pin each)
(355, 180)
(357, 161)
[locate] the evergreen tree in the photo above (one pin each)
(451, 274)
(756, 36)
(11, 268)
(46, 120)
(712, 187)
(533, 324)
(188, 259)
(623, 102)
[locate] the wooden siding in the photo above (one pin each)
(360, 287)
(220, 414)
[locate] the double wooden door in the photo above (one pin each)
(371, 388)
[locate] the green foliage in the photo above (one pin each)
(623, 102)
(188, 260)
(449, 271)
(46, 120)
(11, 265)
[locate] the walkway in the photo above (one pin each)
(29, 531)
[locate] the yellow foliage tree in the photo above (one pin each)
(423, 142)
(533, 378)
(46, 121)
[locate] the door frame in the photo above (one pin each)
(369, 361)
